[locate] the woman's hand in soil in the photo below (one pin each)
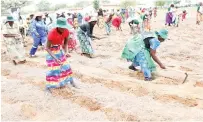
(58, 61)
(162, 66)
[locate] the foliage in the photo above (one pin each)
(169, 2)
(8, 4)
(81, 4)
(127, 3)
(96, 4)
(59, 6)
(105, 1)
(160, 3)
(43, 5)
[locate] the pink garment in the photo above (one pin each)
(70, 21)
(72, 41)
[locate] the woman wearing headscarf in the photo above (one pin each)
(169, 15)
(141, 49)
(199, 13)
(80, 17)
(155, 12)
(85, 33)
(60, 73)
(135, 26)
(146, 24)
(13, 41)
(39, 34)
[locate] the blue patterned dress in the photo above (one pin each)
(140, 58)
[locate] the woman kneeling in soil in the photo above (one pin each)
(84, 36)
(60, 72)
(140, 48)
(13, 41)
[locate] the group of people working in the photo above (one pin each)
(58, 37)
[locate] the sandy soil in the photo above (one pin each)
(109, 91)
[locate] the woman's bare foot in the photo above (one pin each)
(73, 84)
(14, 62)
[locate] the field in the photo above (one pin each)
(109, 91)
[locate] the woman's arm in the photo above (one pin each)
(156, 59)
(34, 28)
(48, 46)
(89, 32)
(65, 46)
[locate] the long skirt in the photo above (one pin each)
(72, 42)
(108, 27)
(100, 22)
(144, 60)
(146, 25)
(116, 22)
(85, 42)
(57, 75)
(75, 22)
(169, 17)
(15, 49)
(199, 17)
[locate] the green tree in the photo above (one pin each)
(59, 6)
(105, 1)
(96, 4)
(8, 4)
(127, 3)
(81, 4)
(160, 3)
(43, 5)
(169, 2)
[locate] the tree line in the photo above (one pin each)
(45, 5)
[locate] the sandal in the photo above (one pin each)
(148, 79)
(132, 68)
(33, 56)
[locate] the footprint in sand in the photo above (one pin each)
(168, 81)
(29, 111)
(185, 69)
(199, 84)
(171, 98)
(5, 72)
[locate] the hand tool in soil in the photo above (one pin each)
(175, 74)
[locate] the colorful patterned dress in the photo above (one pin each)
(72, 41)
(108, 24)
(136, 52)
(84, 37)
(116, 22)
(58, 75)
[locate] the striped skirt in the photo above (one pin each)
(57, 75)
